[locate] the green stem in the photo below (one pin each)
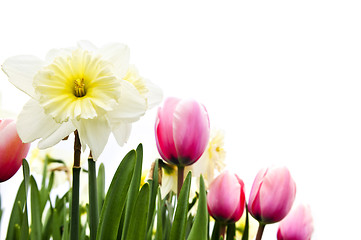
(180, 179)
(74, 226)
(93, 199)
(222, 230)
(260, 231)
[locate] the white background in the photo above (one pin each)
(281, 78)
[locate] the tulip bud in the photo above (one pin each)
(226, 198)
(12, 149)
(182, 131)
(297, 225)
(272, 195)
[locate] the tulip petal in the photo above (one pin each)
(94, 133)
(164, 130)
(21, 70)
(33, 123)
(63, 131)
(190, 130)
(118, 55)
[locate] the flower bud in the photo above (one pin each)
(12, 149)
(272, 195)
(182, 131)
(297, 225)
(226, 198)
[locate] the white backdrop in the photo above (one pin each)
(281, 78)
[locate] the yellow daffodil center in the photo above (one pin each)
(77, 86)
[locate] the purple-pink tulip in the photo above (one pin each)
(12, 149)
(297, 225)
(226, 198)
(182, 131)
(272, 195)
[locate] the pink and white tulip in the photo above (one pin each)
(182, 131)
(226, 198)
(12, 149)
(297, 225)
(272, 195)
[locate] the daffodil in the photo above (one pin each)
(92, 90)
(212, 160)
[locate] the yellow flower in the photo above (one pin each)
(88, 89)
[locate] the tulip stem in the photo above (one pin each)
(180, 179)
(74, 226)
(93, 198)
(222, 230)
(260, 231)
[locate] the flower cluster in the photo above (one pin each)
(92, 92)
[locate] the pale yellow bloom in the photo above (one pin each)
(88, 89)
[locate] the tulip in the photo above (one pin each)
(182, 131)
(12, 149)
(297, 225)
(226, 198)
(272, 195)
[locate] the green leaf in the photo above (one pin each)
(231, 231)
(159, 233)
(133, 190)
(36, 226)
(101, 186)
(93, 214)
(138, 222)
(115, 198)
(153, 184)
(16, 213)
(180, 218)
(48, 224)
(199, 230)
(246, 226)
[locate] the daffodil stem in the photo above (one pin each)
(180, 179)
(93, 199)
(74, 226)
(260, 231)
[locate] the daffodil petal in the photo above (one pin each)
(94, 133)
(87, 45)
(121, 132)
(118, 55)
(21, 70)
(56, 52)
(33, 123)
(63, 131)
(154, 95)
(131, 105)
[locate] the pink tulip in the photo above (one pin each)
(272, 195)
(297, 225)
(182, 131)
(12, 149)
(226, 198)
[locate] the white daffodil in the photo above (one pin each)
(89, 89)
(212, 160)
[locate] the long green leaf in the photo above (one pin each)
(138, 221)
(231, 231)
(246, 226)
(153, 184)
(133, 190)
(216, 233)
(93, 214)
(101, 186)
(180, 217)
(36, 226)
(159, 233)
(24, 227)
(199, 230)
(16, 213)
(115, 198)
